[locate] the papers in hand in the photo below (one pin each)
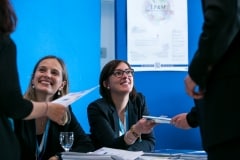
(161, 119)
(73, 96)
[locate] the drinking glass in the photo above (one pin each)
(66, 140)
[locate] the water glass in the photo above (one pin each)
(66, 140)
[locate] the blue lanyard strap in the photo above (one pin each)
(123, 126)
(40, 149)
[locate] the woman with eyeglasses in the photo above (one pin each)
(116, 119)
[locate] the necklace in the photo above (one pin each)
(40, 124)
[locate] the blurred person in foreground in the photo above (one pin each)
(215, 70)
(13, 105)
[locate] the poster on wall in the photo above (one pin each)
(157, 37)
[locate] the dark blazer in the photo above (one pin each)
(104, 125)
(216, 69)
(12, 104)
(26, 133)
(220, 27)
(193, 117)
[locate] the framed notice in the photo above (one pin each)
(157, 37)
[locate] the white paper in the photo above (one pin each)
(84, 156)
(161, 119)
(73, 96)
(175, 154)
(122, 154)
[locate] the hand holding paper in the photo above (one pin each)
(72, 97)
(160, 119)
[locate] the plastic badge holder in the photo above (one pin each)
(161, 119)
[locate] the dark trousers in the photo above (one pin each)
(225, 151)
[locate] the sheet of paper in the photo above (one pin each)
(174, 154)
(160, 119)
(122, 154)
(84, 156)
(73, 96)
(153, 158)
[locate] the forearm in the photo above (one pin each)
(55, 112)
(40, 109)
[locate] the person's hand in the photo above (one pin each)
(57, 113)
(145, 126)
(190, 87)
(180, 121)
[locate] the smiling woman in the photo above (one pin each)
(116, 118)
(49, 81)
(67, 33)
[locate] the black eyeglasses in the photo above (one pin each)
(119, 73)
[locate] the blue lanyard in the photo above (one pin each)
(40, 149)
(123, 126)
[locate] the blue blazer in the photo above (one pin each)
(104, 125)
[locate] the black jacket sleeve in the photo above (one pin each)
(193, 117)
(221, 24)
(12, 103)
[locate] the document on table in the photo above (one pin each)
(103, 153)
(174, 154)
(84, 156)
(160, 119)
(119, 154)
(70, 98)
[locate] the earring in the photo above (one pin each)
(33, 86)
(108, 87)
(59, 93)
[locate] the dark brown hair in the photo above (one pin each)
(8, 18)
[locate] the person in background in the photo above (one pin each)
(13, 105)
(116, 119)
(215, 70)
(39, 138)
